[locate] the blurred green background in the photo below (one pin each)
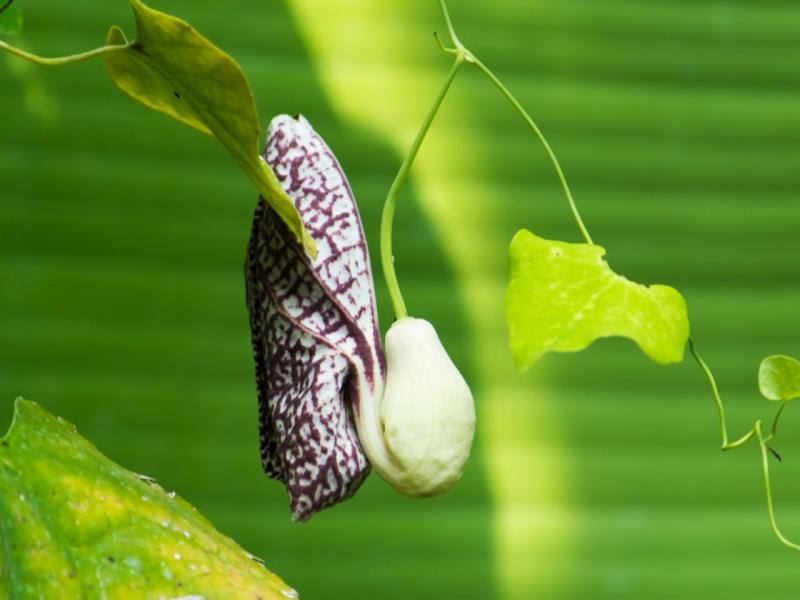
(598, 475)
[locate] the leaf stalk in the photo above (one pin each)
(62, 60)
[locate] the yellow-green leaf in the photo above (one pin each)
(562, 297)
(779, 377)
(76, 525)
(171, 68)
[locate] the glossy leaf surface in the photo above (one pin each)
(562, 297)
(77, 525)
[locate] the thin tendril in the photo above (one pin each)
(718, 402)
(471, 58)
(387, 259)
(776, 419)
(63, 60)
(450, 29)
(768, 488)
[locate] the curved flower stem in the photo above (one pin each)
(387, 258)
(768, 488)
(62, 60)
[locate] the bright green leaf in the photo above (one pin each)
(11, 20)
(76, 525)
(779, 377)
(171, 68)
(562, 297)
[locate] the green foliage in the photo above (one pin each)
(11, 20)
(173, 69)
(74, 525)
(562, 297)
(779, 378)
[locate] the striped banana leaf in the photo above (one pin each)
(595, 476)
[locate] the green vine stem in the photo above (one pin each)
(762, 442)
(459, 48)
(62, 60)
(774, 432)
(462, 55)
(538, 132)
(726, 445)
(756, 433)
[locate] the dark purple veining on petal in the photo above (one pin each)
(314, 325)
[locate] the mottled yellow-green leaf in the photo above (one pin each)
(76, 525)
(562, 297)
(779, 377)
(171, 68)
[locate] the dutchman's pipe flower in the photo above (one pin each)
(329, 408)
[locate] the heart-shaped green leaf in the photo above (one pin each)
(561, 297)
(76, 525)
(171, 68)
(779, 377)
(10, 19)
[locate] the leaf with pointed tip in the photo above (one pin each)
(11, 20)
(561, 297)
(779, 378)
(76, 525)
(171, 68)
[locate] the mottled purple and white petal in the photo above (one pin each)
(314, 325)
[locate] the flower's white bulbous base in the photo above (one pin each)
(427, 411)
